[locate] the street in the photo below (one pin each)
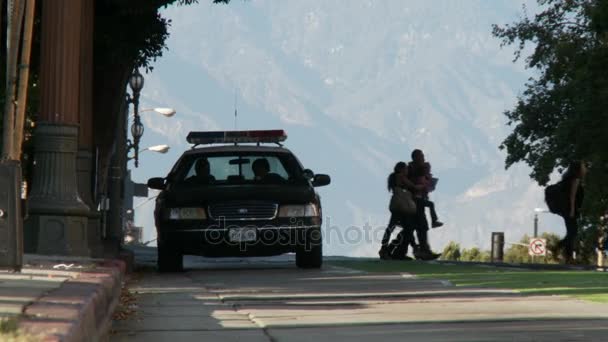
(269, 299)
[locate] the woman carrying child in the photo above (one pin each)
(397, 249)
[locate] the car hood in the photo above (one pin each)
(212, 194)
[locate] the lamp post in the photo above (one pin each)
(136, 82)
(536, 212)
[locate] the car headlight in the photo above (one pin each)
(307, 210)
(187, 214)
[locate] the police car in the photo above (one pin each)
(238, 193)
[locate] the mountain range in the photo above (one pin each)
(357, 84)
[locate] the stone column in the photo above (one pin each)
(85, 158)
(58, 217)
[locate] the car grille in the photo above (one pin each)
(243, 211)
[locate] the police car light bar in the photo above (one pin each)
(229, 137)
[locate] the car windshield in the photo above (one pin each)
(239, 168)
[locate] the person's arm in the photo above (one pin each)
(572, 200)
(409, 185)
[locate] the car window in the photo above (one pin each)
(243, 168)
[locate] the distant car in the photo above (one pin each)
(237, 196)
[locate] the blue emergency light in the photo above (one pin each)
(233, 137)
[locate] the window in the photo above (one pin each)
(244, 168)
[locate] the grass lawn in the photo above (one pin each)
(587, 285)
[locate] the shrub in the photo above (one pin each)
(451, 252)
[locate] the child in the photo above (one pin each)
(420, 171)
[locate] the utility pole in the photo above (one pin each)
(15, 16)
(11, 218)
(24, 75)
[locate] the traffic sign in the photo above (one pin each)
(537, 247)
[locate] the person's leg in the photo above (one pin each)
(433, 212)
(389, 230)
(570, 238)
(434, 219)
(421, 226)
(385, 248)
(404, 239)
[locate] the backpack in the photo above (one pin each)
(555, 198)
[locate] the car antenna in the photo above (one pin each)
(235, 111)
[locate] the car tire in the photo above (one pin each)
(169, 259)
(309, 256)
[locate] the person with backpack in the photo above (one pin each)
(565, 198)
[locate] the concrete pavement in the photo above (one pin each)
(60, 298)
(268, 299)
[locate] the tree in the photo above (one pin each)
(518, 253)
(128, 34)
(451, 252)
(563, 112)
(475, 254)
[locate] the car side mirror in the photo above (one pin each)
(308, 174)
(156, 183)
(321, 180)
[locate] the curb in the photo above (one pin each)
(80, 309)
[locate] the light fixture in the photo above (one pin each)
(136, 81)
(168, 112)
(159, 148)
(137, 130)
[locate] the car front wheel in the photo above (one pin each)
(169, 259)
(310, 256)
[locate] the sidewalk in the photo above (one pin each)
(59, 299)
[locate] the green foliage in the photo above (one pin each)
(475, 254)
(470, 254)
(586, 252)
(518, 253)
(451, 252)
(563, 113)
(133, 30)
(552, 246)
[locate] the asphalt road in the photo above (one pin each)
(269, 299)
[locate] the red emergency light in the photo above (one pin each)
(234, 137)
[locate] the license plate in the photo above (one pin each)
(242, 234)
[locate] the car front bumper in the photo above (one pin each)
(241, 238)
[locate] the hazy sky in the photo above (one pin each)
(357, 85)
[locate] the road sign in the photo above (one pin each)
(537, 247)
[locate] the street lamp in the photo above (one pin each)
(168, 112)
(156, 148)
(536, 212)
(136, 82)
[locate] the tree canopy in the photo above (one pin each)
(562, 114)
